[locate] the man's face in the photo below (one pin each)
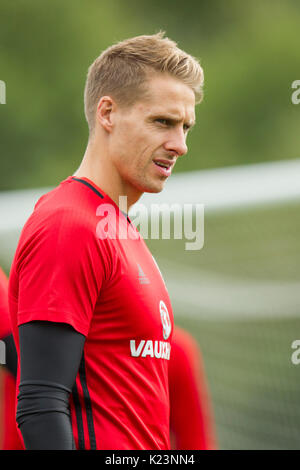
(152, 133)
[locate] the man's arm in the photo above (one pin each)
(50, 355)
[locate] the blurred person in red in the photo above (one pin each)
(9, 438)
(192, 424)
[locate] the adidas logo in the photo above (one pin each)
(142, 276)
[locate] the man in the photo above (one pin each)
(93, 338)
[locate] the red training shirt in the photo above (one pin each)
(111, 291)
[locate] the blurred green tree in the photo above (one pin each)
(249, 52)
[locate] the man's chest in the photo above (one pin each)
(134, 303)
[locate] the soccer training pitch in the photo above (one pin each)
(240, 298)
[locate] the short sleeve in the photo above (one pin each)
(61, 268)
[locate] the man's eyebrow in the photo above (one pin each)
(174, 119)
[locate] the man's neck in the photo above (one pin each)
(103, 174)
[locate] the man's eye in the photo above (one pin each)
(165, 122)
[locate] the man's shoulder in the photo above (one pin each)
(66, 195)
(65, 208)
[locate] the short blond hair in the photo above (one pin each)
(121, 71)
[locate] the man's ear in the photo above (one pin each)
(104, 113)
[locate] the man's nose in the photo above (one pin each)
(177, 143)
